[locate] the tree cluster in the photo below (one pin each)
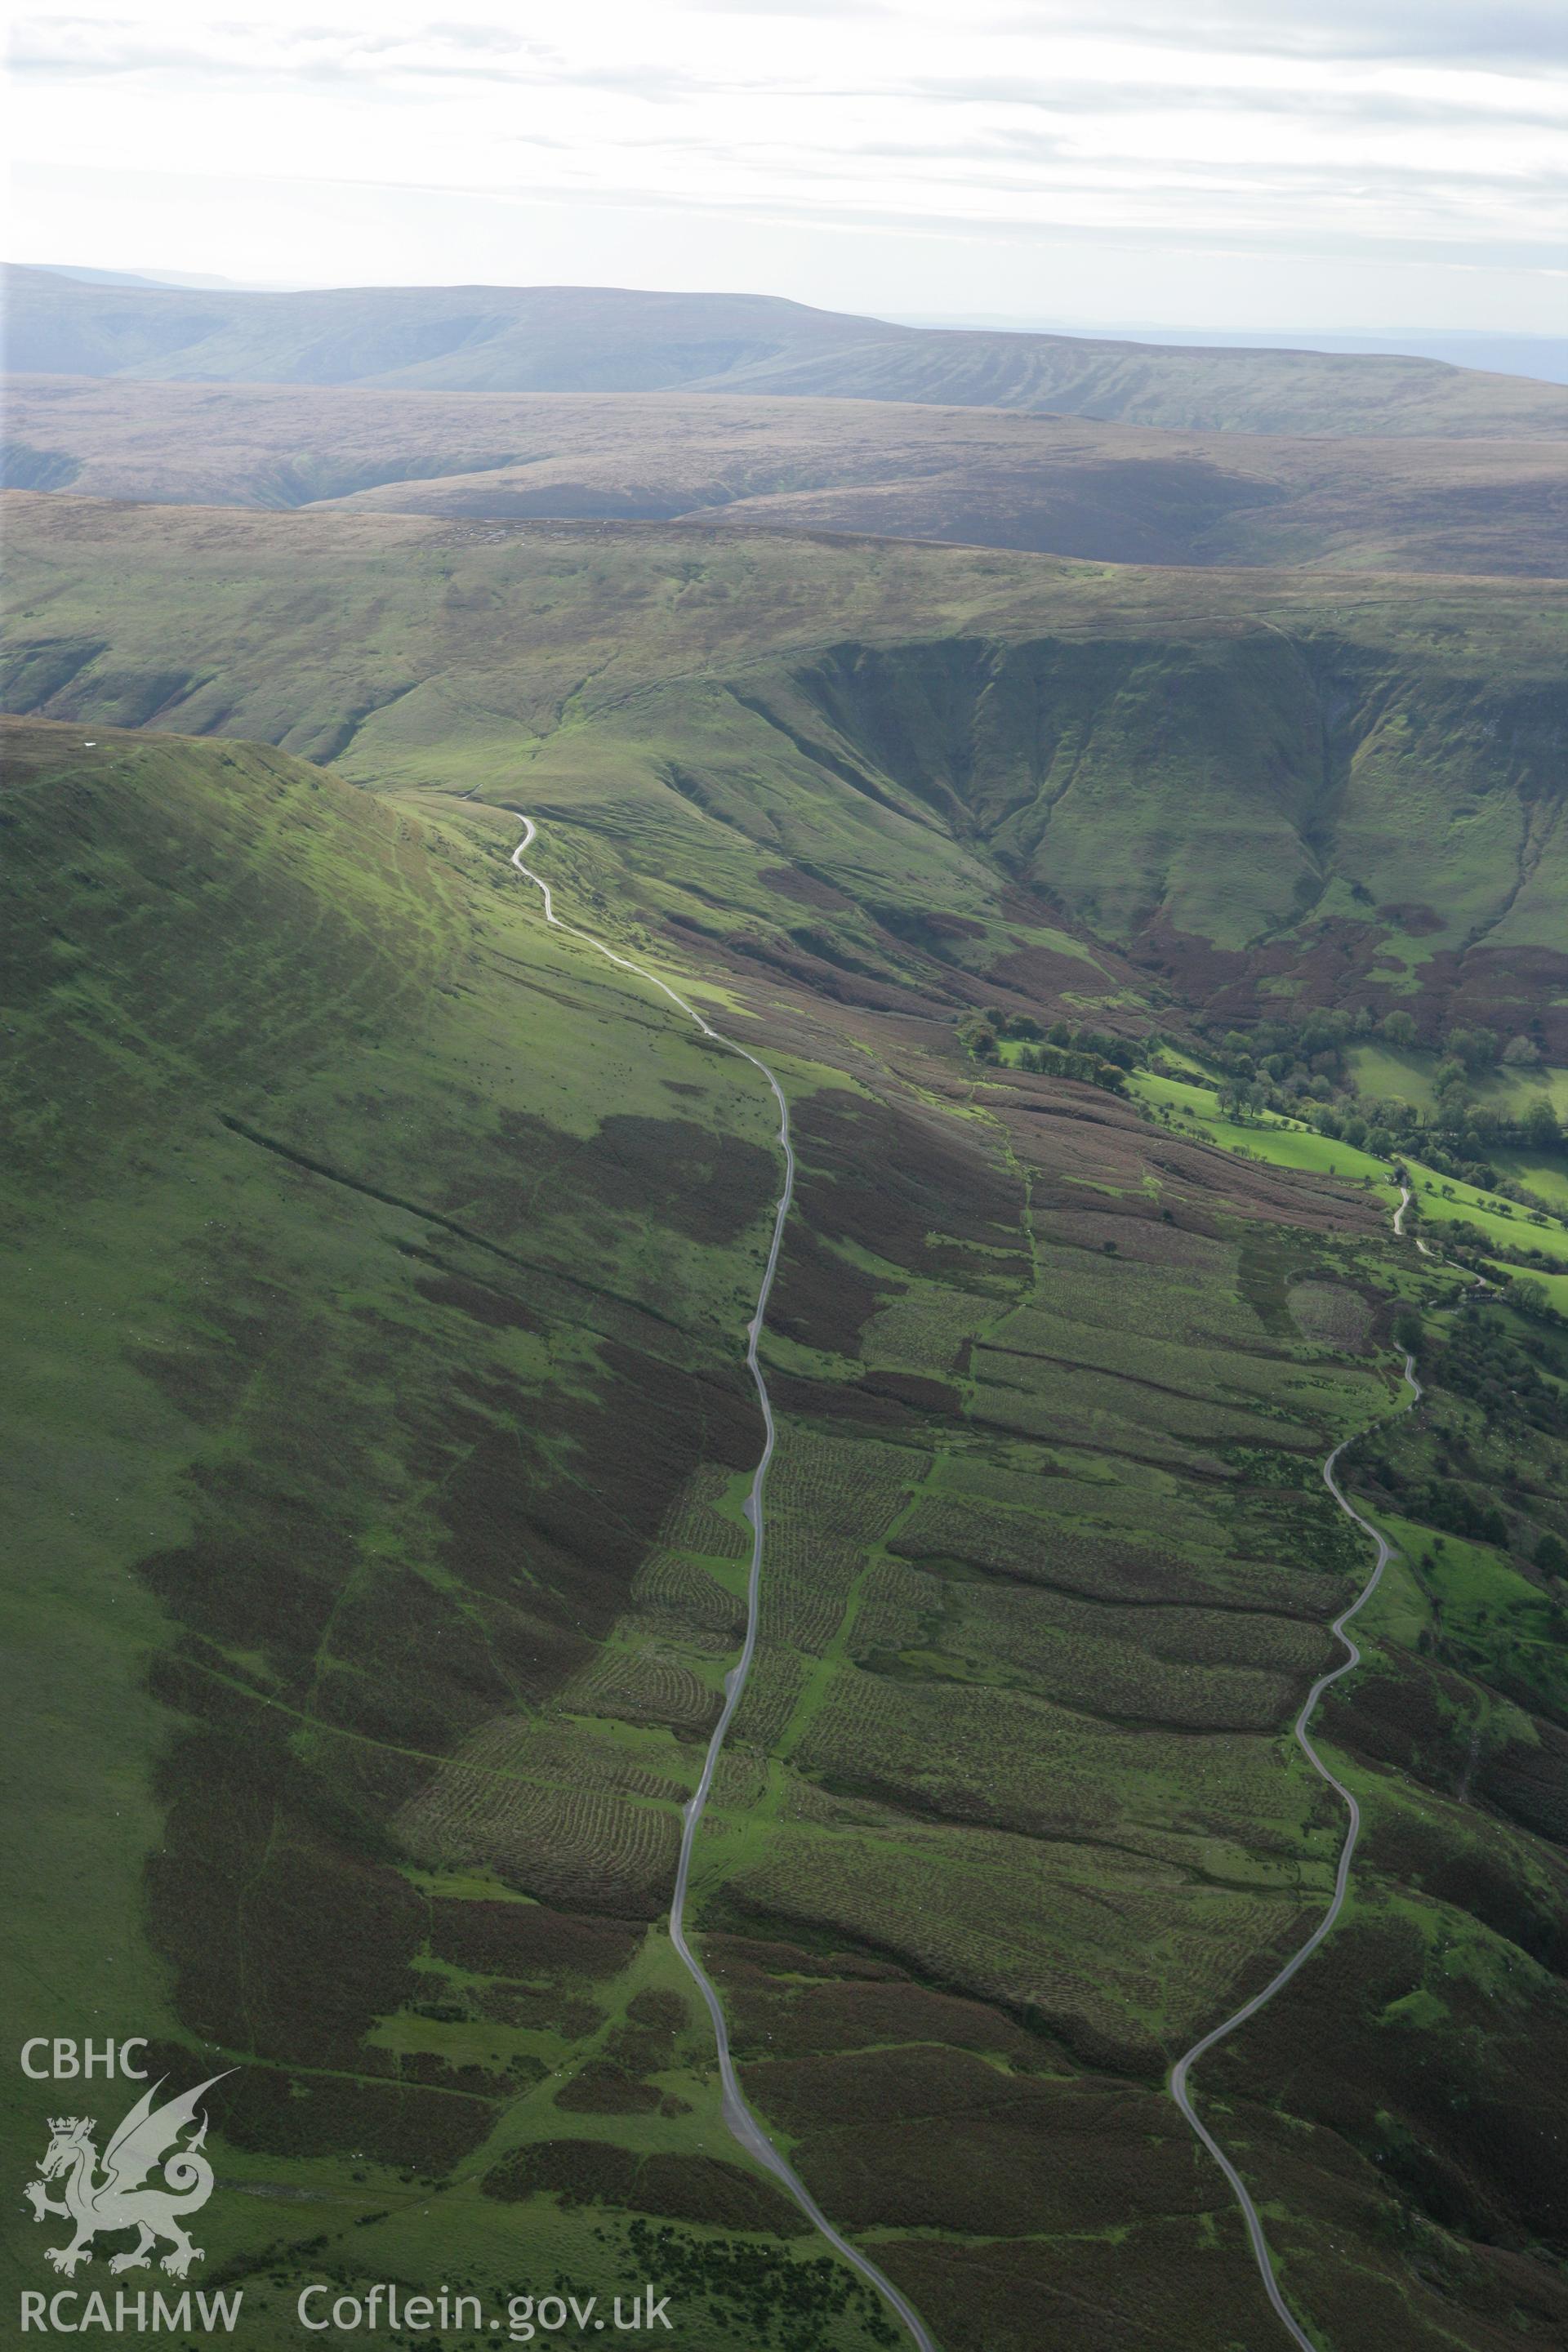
(1299, 1069)
(1096, 1056)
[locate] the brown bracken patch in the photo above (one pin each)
(529, 1940)
(600, 2088)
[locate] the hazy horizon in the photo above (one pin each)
(1371, 169)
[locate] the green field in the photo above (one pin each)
(1407, 1077)
(1283, 1143)
(1441, 1200)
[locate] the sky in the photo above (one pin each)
(1353, 165)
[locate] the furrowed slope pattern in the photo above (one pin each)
(742, 2124)
(1324, 1927)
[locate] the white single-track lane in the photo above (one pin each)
(1184, 2065)
(743, 2126)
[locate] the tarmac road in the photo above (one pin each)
(742, 2124)
(1184, 2065)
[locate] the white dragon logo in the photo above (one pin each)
(145, 2139)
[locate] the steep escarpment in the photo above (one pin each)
(1260, 808)
(1350, 796)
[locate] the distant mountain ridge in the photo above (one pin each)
(178, 278)
(606, 339)
(1494, 353)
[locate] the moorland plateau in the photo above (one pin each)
(1121, 493)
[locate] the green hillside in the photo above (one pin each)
(609, 338)
(353, 1404)
(381, 1262)
(1123, 493)
(1265, 790)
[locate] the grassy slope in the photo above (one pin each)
(1347, 791)
(325, 1474)
(591, 339)
(1016, 1334)
(945, 1903)
(1120, 492)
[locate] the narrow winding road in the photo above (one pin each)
(742, 2124)
(1184, 2065)
(1405, 1199)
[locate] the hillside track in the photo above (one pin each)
(743, 2125)
(1184, 2065)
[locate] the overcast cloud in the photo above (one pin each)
(1327, 164)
